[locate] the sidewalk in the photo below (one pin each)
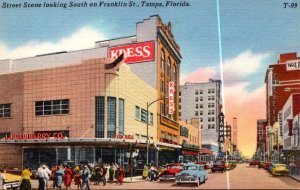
(296, 177)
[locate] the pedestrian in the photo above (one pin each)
(145, 172)
(104, 172)
(121, 175)
(47, 175)
(41, 177)
(111, 173)
(77, 180)
(85, 176)
(98, 175)
(68, 177)
(25, 183)
(117, 171)
(152, 173)
(58, 177)
(53, 171)
(2, 179)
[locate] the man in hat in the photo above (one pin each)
(41, 174)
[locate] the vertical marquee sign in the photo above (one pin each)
(221, 127)
(171, 97)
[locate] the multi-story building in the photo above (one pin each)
(152, 54)
(281, 80)
(261, 139)
(202, 100)
(234, 134)
(228, 132)
(291, 132)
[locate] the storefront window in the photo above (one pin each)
(111, 116)
(99, 117)
(121, 116)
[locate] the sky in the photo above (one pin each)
(252, 35)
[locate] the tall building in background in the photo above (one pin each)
(281, 80)
(261, 138)
(202, 100)
(228, 132)
(234, 133)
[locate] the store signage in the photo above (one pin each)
(221, 127)
(134, 52)
(33, 136)
(293, 65)
(171, 97)
(189, 153)
(280, 124)
(123, 136)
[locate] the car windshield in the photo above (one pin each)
(280, 166)
(190, 168)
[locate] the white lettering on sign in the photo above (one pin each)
(134, 52)
(171, 97)
(293, 65)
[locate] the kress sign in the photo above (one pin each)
(133, 53)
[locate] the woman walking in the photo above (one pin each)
(59, 177)
(68, 177)
(77, 180)
(121, 175)
(25, 184)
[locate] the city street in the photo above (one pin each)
(242, 177)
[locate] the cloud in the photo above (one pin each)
(242, 66)
(83, 38)
(200, 75)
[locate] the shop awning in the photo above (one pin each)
(206, 151)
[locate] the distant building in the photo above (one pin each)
(234, 134)
(202, 100)
(228, 132)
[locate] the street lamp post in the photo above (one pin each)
(147, 143)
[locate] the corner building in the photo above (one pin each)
(152, 54)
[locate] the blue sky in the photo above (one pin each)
(253, 34)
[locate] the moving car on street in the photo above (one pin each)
(192, 173)
(280, 169)
(218, 166)
(253, 162)
(170, 171)
(12, 181)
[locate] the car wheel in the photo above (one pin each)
(178, 183)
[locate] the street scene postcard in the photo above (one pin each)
(149, 94)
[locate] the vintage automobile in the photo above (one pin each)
(271, 166)
(253, 162)
(205, 165)
(233, 163)
(170, 171)
(261, 164)
(218, 166)
(267, 165)
(191, 173)
(12, 181)
(227, 165)
(280, 169)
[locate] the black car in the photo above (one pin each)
(218, 166)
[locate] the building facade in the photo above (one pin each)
(235, 134)
(203, 100)
(152, 55)
(228, 132)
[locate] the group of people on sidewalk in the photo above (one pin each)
(83, 175)
(150, 172)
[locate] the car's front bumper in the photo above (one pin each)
(167, 177)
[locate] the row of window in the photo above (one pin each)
(209, 105)
(141, 115)
(4, 110)
(197, 99)
(209, 91)
(52, 107)
(209, 126)
(162, 66)
(169, 136)
(209, 119)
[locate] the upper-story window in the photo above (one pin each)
(52, 107)
(196, 92)
(4, 110)
(174, 74)
(168, 67)
(162, 64)
(201, 91)
(162, 86)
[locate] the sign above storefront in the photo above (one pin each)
(33, 136)
(123, 136)
(133, 53)
(293, 65)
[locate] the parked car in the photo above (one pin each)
(192, 173)
(233, 163)
(218, 166)
(170, 171)
(253, 162)
(271, 167)
(261, 164)
(267, 164)
(12, 181)
(210, 164)
(280, 169)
